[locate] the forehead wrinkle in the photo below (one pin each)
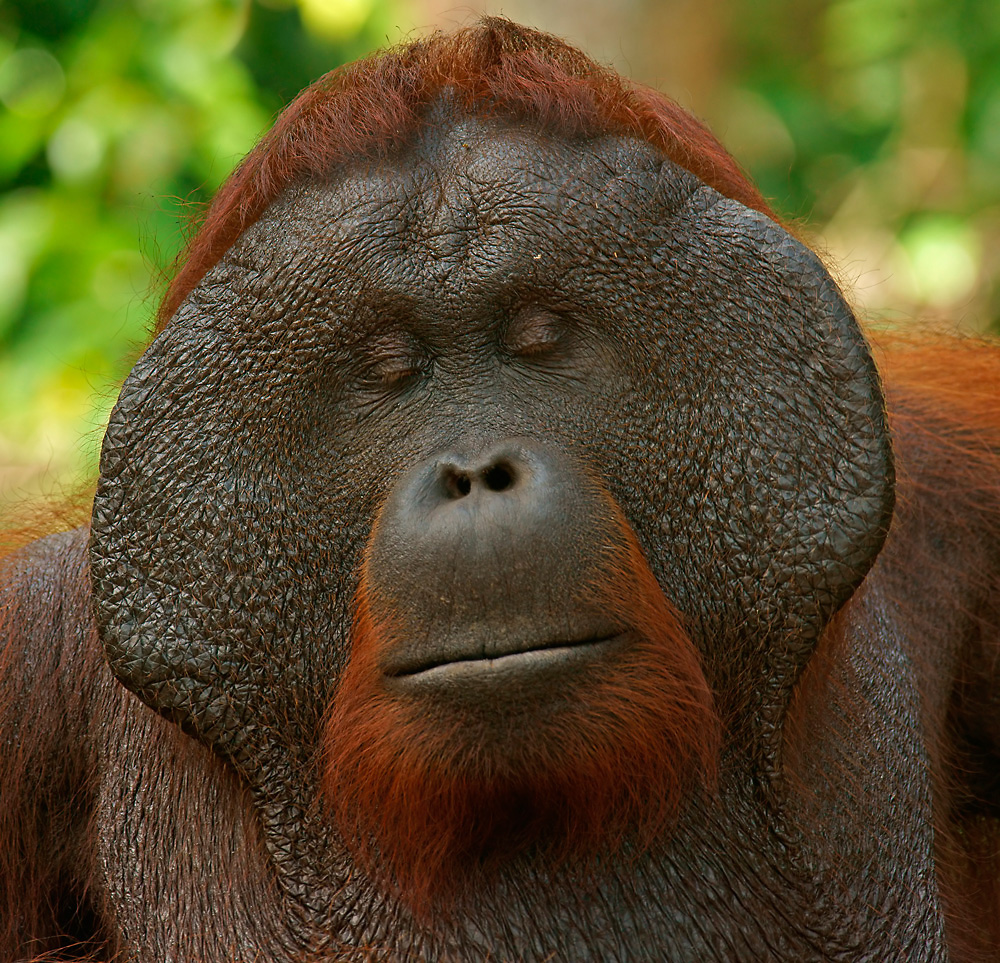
(474, 158)
(471, 221)
(440, 216)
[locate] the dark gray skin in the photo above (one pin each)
(495, 296)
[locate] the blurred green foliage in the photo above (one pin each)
(875, 121)
(119, 119)
(878, 123)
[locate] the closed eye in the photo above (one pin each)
(391, 376)
(534, 332)
(393, 362)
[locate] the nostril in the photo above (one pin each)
(498, 478)
(457, 479)
(457, 483)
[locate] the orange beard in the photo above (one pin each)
(430, 797)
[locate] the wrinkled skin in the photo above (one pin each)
(586, 301)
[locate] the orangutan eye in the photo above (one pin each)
(533, 332)
(394, 375)
(392, 364)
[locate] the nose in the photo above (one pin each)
(515, 484)
(508, 505)
(488, 549)
(500, 471)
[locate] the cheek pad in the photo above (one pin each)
(775, 491)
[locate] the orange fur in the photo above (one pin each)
(940, 568)
(430, 799)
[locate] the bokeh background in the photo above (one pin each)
(873, 124)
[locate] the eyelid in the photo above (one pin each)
(392, 361)
(534, 332)
(393, 377)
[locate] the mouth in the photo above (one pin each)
(526, 659)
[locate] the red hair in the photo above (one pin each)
(936, 573)
(373, 106)
(429, 800)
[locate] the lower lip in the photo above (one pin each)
(504, 667)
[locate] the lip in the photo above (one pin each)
(518, 661)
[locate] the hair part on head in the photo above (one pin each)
(373, 106)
